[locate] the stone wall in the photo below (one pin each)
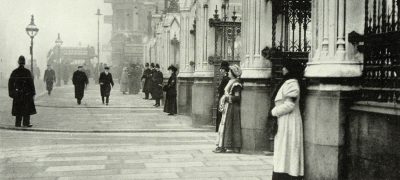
(373, 142)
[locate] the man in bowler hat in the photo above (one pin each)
(106, 82)
(80, 81)
(21, 89)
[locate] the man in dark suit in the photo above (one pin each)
(106, 82)
(80, 81)
(157, 85)
(49, 78)
(21, 89)
(147, 78)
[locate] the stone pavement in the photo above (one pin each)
(98, 156)
(126, 113)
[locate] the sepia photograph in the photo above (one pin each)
(199, 89)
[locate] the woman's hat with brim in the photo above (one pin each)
(152, 65)
(236, 70)
(293, 66)
(157, 66)
(172, 68)
(224, 65)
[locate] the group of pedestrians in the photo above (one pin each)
(130, 79)
(288, 130)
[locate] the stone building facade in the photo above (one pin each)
(350, 109)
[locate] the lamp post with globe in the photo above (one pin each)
(58, 44)
(32, 31)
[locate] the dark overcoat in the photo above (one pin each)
(147, 81)
(171, 93)
(153, 71)
(221, 90)
(80, 80)
(22, 89)
(157, 85)
(49, 78)
(105, 81)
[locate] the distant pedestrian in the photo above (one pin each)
(49, 78)
(131, 74)
(288, 145)
(21, 89)
(106, 83)
(147, 81)
(157, 85)
(153, 71)
(136, 79)
(229, 132)
(224, 70)
(124, 81)
(171, 93)
(80, 81)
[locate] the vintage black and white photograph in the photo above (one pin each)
(199, 89)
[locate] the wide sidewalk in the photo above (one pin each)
(125, 113)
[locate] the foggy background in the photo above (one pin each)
(75, 20)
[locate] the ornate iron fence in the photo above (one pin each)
(381, 82)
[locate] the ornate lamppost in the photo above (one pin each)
(58, 44)
(32, 31)
(98, 14)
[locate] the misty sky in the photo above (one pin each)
(75, 20)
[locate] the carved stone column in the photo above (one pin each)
(256, 35)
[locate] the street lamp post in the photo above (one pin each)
(58, 44)
(32, 31)
(98, 14)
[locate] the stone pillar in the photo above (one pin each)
(185, 76)
(256, 34)
(332, 70)
(203, 87)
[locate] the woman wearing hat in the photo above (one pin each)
(229, 132)
(224, 69)
(157, 79)
(288, 144)
(106, 82)
(171, 93)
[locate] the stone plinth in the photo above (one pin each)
(202, 100)
(185, 96)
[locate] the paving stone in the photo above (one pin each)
(77, 173)
(174, 164)
(258, 167)
(240, 178)
(209, 169)
(250, 173)
(84, 158)
(172, 156)
(125, 166)
(233, 163)
(195, 175)
(146, 161)
(152, 170)
(75, 168)
(130, 176)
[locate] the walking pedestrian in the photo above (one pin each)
(171, 93)
(124, 81)
(288, 145)
(157, 85)
(21, 89)
(106, 82)
(147, 81)
(229, 131)
(224, 70)
(80, 81)
(153, 71)
(49, 78)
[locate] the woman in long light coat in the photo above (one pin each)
(288, 146)
(124, 81)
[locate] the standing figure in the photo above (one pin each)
(21, 89)
(147, 81)
(131, 77)
(124, 81)
(106, 82)
(224, 69)
(153, 71)
(171, 93)
(157, 85)
(288, 145)
(80, 81)
(229, 132)
(136, 79)
(66, 73)
(49, 78)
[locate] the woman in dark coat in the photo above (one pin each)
(80, 81)
(22, 90)
(147, 78)
(229, 132)
(224, 69)
(157, 85)
(106, 82)
(152, 71)
(170, 101)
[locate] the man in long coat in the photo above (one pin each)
(147, 78)
(106, 82)
(153, 71)
(49, 78)
(80, 81)
(157, 85)
(21, 89)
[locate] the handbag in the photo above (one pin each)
(165, 88)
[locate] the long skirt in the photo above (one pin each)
(49, 85)
(124, 87)
(170, 105)
(229, 131)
